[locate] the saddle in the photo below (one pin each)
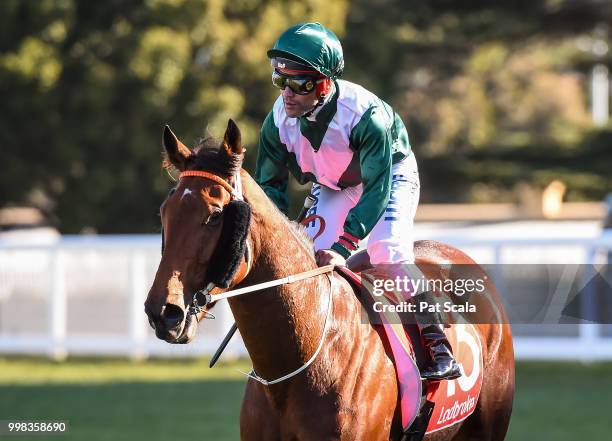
(424, 407)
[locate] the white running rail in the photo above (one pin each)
(84, 295)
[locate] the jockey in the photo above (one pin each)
(355, 150)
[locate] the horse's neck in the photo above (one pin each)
(281, 327)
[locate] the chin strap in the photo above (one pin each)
(319, 104)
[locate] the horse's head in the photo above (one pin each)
(204, 227)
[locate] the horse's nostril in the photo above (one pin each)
(172, 315)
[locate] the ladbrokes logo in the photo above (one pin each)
(457, 410)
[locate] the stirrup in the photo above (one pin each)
(453, 372)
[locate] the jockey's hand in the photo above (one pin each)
(329, 257)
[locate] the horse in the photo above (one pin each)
(350, 390)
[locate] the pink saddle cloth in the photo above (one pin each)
(453, 400)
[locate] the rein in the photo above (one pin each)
(208, 298)
(330, 304)
(204, 297)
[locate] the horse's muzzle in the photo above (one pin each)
(169, 324)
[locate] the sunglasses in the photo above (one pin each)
(300, 86)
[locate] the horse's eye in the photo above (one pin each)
(213, 219)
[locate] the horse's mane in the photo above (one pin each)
(258, 197)
(300, 233)
(209, 155)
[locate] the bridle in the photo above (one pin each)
(204, 297)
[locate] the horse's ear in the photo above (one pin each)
(177, 152)
(232, 140)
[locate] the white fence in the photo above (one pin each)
(84, 295)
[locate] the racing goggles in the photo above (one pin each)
(300, 86)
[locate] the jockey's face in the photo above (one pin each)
(297, 105)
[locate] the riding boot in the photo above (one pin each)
(443, 365)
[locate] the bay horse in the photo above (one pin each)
(350, 391)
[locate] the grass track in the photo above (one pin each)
(119, 400)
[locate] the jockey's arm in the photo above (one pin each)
(271, 170)
(372, 139)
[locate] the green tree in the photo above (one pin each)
(87, 87)
(493, 93)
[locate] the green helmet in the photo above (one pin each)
(313, 45)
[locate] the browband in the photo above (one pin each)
(211, 176)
